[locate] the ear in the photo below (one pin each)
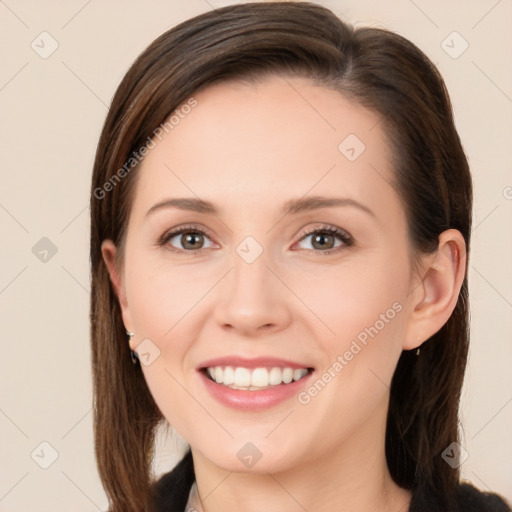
(435, 297)
(109, 251)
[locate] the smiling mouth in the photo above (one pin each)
(254, 379)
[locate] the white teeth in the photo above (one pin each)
(257, 378)
(229, 375)
(275, 376)
(260, 378)
(287, 375)
(242, 377)
(297, 374)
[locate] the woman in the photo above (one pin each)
(280, 223)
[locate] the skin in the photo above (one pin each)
(249, 148)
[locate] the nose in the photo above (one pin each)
(252, 300)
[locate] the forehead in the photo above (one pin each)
(266, 142)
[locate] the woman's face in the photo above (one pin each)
(262, 289)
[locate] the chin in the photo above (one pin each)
(255, 457)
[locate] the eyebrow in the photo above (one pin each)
(293, 206)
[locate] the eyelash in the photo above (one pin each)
(343, 235)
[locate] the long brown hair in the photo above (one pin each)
(374, 68)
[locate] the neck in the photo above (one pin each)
(350, 476)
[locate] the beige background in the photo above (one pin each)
(52, 113)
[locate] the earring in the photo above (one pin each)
(133, 354)
(418, 349)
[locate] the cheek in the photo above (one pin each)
(164, 302)
(361, 305)
(365, 307)
(169, 305)
(163, 297)
(353, 297)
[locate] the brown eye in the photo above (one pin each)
(192, 240)
(327, 239)
(186, 240)
(323, 241)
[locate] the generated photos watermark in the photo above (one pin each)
(342, 360)
(137, 156)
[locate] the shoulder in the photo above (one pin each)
(467, 498)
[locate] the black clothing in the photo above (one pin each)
(171, 493)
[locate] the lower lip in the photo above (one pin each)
(254, 400)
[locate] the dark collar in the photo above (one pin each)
(171, 491)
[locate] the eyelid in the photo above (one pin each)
(327, 228)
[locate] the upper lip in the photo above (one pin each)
(258, 362)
